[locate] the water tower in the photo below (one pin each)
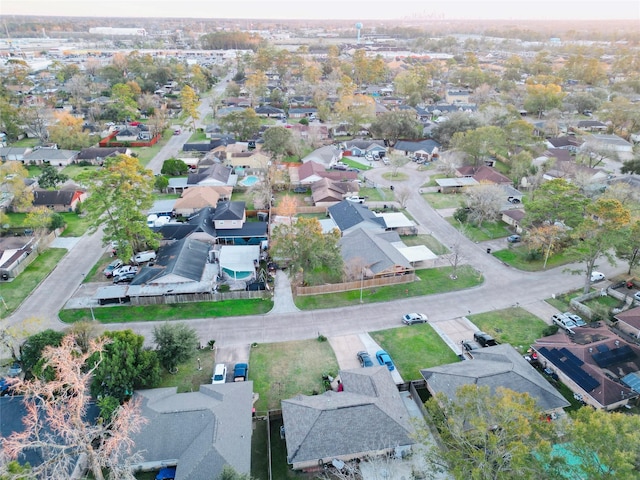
(358, 28)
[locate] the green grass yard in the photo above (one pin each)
(442, 200)
(518, 257)
(485, 231)
(515, 326)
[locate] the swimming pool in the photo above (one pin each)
(249, 180)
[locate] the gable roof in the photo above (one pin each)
(429, 146)
(197, 197)
(374, 250)
(54, 197)
(484, 173)
(347, 214)
(216, 172)
(498, 366)
(202, 430)
(50, 155)
(181, 261)
(228, 210)
(324, 155)
(96, 153)
(367, 416)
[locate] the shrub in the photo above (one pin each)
(550, 330)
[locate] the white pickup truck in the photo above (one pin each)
(356, 199)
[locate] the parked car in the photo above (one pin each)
(168, 473)
(577, 319)
(470, 345)
(142, 257)
(340, 167)
(124, 269)
(411, 318)
(356, 199)
(636, 296)
(597, 276)
(364, 359)
(108, 270)
(484, 339)
(124, 277)
(240, 372)
(384, 359)
(513, 238)
(219, 374)
(563, 322)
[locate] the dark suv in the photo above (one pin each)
(484, 339)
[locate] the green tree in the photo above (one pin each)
(228, 473)
(176, 343)
(32, 348)
(119, 193)
(306, 248)
(607, 445)
(50, 177)
(277, 141)
(457, 122)
(600, 231)
(161, 183)
(256, 85)
(9, 119)
(69, 134)
(543, 97)
(414, 84)
(489, 435)
(124, 99)
(355, 110)
(555, 201)
(631, 166)
(480, 143)
(174, 167)
(125, 365)
(39, 219)
(13, 176)
(243, 124)
(190, 103)
(395, 125)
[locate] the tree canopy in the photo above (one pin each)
(396, 124)
(176, 343)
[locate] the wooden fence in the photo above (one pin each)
(356, 285)
(310, 209)
(199, 297)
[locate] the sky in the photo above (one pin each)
(357, 10)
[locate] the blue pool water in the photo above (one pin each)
(238, 275)
(250, 180)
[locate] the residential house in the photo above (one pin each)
(454, 96)
(328, 156)
(53, 156)
(350, 215)
(574, 172)
(609, 143)
(14, 251)
(128, 134)
(359, 148)
(495, 367)
(199, 226)
(229, 220)
(312, 132)
(592, 125)
(194, 199)
(375, 252)
(629, 321)
(484, 174)
(310, 172)
(267, 111)
(255, 160)
(513, 218)
(97, 155)
(427, 149)
(326, 192)
(14, 154)
(59, 200)
(594, 363)
(569, 142)
(229, 215)
(368, 418)
(209, 175)
(302, 112)
(198, 432)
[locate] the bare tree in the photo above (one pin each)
(78, 88)
(450, 161)
(354, 269)
(402, 195)
(397, 161)
(484, 202)
(56, 423)
(36, 121)
(455, 256)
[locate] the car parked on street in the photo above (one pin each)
(108, 270)
(597, 276)
(411, 318)
(219, 374)
(364, 359)
(514, 238)
(577, 319)
(563, 322)
(384, 359)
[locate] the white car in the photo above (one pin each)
(597, 276)
(411, 318)
(219, 374)
(355, 199)
(577, 319)
(636, 296)
(564, 322)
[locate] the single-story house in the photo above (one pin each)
(570, 170)
(457, 96)
(302, 112)
(484, 173)
(312, 132)
(59, 200)
(359, 148)
(197, 432)
(376, 252)
(368, 418)
(14, 154)
(97, 155)
(427, 149)
(593, 363)
(255, 160)
(608, 143)
(494, 367)
(629, 321)
(592, 125)
(13, 251)
(59, 158)
(194, 199)
(268, 111)
(514, 218)
(454, 185)
(326, 192)
(350, 215)
(569, 142)
(211, 175)
(199, 227)
(327, 156)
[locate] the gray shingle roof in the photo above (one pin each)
(374, 250)
(184, 259)
(499, 366)
(367, 416)
(202, 430)
(347, 214)
(228, 210)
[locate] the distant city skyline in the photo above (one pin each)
(361, 10)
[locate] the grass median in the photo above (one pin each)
(431, 281)
(175, 311)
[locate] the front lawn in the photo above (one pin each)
(13, 293)
(443, 200)
(74, 171)
(355, 164)
(189, 378)
(76, 226)
(431, 281)
(430, 242)
(413, 348)
(283, 370)
(519, 257)
(174, 311)
(485, 231)
(515, 326)
(377, 194)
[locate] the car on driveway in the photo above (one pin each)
(636, 296)
(384, 359)
(240, 372)
(597, 276)
(108, 270)
(577, 319)
(514, 238)
(124, 269)
(364, 359)
(563, 322)
(470, 345)
(484, 339)
(411, 318)
(124, 277)
(219, 374)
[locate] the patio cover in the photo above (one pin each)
(239, 258)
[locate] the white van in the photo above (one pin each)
(142, 257)
(219, 374)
